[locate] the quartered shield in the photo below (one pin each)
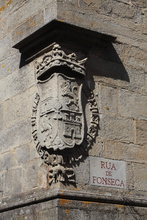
(61, 118)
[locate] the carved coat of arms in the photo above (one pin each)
(58, 120)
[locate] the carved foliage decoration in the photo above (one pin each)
(61, 130)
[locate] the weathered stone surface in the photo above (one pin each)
(144, 26)
(9, 65)
(67, 209)
(82, 173)
(123, 151)
(112, 128)
(1, 118)
(89, 17)
(50, 11)
(97, 211)
(1, 184)
(108, 100)
(132, 105)
(21, 107)
(33, 152)
(17, 82)
(124, 10)
(22, 154)
(146, 82)
(140, 177)
(137, 80)
(141, 132)
(15, 136)
(130, 176)
(18, 10)
(30, 174)
(7, 160)
(97, 149)
(135, 57)
(45, 211)
(12, 182)
(98, 15)
(32, 24)
(5, 44)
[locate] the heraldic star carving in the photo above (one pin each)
(61, 131)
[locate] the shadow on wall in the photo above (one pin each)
(103, 59)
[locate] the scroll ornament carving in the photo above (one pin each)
(61, 129)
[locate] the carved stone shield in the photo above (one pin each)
(60, 129)
(60, 114)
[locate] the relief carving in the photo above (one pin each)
(62, 130)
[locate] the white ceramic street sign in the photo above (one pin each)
(107, 173)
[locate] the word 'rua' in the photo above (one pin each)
(60, 130)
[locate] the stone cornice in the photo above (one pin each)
(43, 195)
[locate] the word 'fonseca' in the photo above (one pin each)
(108, 181)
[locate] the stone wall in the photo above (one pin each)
(66, 209)
(120, 86)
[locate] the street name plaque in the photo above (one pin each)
(107, 173)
